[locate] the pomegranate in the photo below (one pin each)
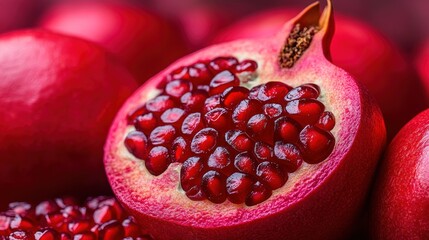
(422, 61)
(66, 218)
(254, 139)
(400, 200)
(381, 66)
(59, 95)
(144, 41)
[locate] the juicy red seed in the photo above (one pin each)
(244, 111)
(65, 236)
(177, 88)
(54, 219)
(162, 135)
(271, 174)
(212, 103)
(257, 123)
(179, 73)
(288, 155)
(139, 111)
(79, 226)
(217, 118)
(145, 123)
(103, 214)
(19, 234)
(65, 201)
(131, 229)
(238, 187)
(259, 193)
(286, 129)
(233, 95)
(317, 144)
(158, 160)
(205, 88)
(190, 172)
(172, 115)
(326, 121)
(160, 103)
(22, 223)
(199, 73)
(223, 63)
(238, 140)
(222, 81)
(305, 111)
(213, 186)
(192, 124)
(272, 110)
(195, 193)
(303, 91)
(136, 143)
(20, 208)
(111, 230)
(244, 163)
(246, 66)
(193, 101)
(273, 91)
(253, 93)
(179, 150)
(46, 234)
(46, 207)
(263, 151)
(219, 159)
(85, 236)
(204, 141)
(71, 212)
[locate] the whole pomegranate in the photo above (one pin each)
(144, 41)
(253, 139)
(59, 95)
(401, 196)
(67, 218)
(362, 51)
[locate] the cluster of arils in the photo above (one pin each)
(234, 143)
(64, 218)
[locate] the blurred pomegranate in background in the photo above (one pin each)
(143, 40)
(16, 14)
(359, 49)
(422, 65)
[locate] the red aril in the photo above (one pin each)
(278, 143)
(67, 218)
(380, 67)
(400, 200)
(144, 41)
(59, 95)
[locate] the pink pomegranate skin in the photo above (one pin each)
(59, 95)
(320, 202)
(401, 196)
(381, 67)
(145, 42)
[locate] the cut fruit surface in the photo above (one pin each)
(274, 147)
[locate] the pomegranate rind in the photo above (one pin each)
(59, 95)
(400, 200)
(318, 201)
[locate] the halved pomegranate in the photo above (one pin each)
(67, 218)
(252, 139)
(401, 197)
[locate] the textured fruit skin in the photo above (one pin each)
(401, 197)
(145, 42)
(59, 95)
(381, 67)
(321, 204)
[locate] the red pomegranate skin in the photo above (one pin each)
(381, 67)
(142, 40)
(59, 95)
(323, 204)
(401, 197)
